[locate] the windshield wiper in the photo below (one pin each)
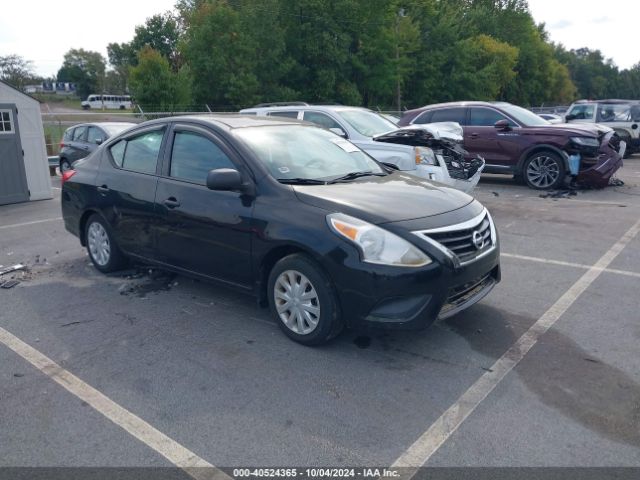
(354, 175)
(301, 181)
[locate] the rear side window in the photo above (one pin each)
(486, 117)
(321, 119)
(194, 155)
(79, 134)
(284, 114)
(68, 135)
(139, 153)
(449, 115)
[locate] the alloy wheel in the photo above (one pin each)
(99, 245)
(543, 171)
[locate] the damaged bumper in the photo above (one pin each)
(598, 166)
(440, 155)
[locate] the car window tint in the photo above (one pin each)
(117, 152)
(79, 134)
(423, 118)
(284, 114)
(449, 115)
(94, 134)
(486, 117)
(141, 152)
(321, 119)
(193, 156)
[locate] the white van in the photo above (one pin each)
(106, 101)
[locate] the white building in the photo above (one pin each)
(24, 170)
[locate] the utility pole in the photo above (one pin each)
(401, 14)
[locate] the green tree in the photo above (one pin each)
(121, 58)
(16, 71)
(155, 86)
(84, 68)
(162, 33)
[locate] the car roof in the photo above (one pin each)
(232, 121)
(465, 103)
(287, 108)
(608, 101)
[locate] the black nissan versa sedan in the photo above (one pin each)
(297, 215)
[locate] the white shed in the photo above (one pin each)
(24, 169)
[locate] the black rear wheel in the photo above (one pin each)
(65, 165)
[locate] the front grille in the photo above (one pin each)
(461, 243)
(465, 294)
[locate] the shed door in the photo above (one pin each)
(13, 180)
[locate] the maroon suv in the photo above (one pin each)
(515, 141)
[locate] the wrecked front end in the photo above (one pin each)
(592, 164)
(440, 155)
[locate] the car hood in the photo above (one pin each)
(391, 198)
(578, 129)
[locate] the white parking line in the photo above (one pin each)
(548, 261)
(180, 456)
(35, 222)
(438, 433)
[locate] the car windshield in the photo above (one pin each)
(367, 123)
(298, 152)
(524, 117)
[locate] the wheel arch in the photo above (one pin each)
(541, 148)
(83, 224)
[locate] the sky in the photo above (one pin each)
(42, 31)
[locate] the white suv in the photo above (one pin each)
(361, 126)
(621, 115)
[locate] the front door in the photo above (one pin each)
(497, 147)
(203, 231)
(13, 178)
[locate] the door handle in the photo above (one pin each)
(171, 202)
(474, 135)
(103, 189)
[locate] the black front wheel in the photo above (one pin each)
(544, 170)
(303, 301)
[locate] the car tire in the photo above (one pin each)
(303, 301)
(543, 170)
(65, 165)
(103, 251)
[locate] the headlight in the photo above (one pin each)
(376, 244)
(425, 156)
(585, 141)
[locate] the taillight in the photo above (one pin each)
(67, 175)
(61, 144)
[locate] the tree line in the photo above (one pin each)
(387, 54)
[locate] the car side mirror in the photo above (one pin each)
(570, 117)
(99, 141)
(224, 179)
(502, 125)
(339, 131)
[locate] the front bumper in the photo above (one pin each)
(597, 171)
(412, 298)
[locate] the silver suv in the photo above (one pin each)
(361, 127)
(621, 115)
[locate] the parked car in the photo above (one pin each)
(515, 141)
(621, 115)
(551, 118)
(80, 140)
(362, 126)
(298, 216)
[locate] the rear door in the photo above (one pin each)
(13, 179)
(201, 230)
(126, 185)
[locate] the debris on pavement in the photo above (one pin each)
(13, 268)
(9, 284)
(559, 194)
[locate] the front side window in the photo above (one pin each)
(582, 112)
(305, 152)
(486, 117)
(449, 115)
(94, 135)
(193, 156)
(321, 119)
(139, 153)
(284, 114)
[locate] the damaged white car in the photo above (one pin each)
(431, 151)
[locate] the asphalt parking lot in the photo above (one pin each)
(166, 370)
